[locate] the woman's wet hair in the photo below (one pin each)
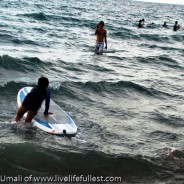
(101, 23)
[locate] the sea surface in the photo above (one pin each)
(128, 103)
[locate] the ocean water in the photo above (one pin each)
(127, 103)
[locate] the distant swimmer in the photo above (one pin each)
(165, 24)
(141, 23)
(101, 38)
(176, 26)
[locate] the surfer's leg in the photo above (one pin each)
(30, 115)
(21, 111)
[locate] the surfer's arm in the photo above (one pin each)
(105, 40)
(47, 102)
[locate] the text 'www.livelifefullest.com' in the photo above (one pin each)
(58, 178)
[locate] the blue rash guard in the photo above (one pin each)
(34, 99)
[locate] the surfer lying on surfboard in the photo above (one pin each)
(33, 101)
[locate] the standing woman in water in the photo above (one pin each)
(101, 38)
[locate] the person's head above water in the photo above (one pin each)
(101, 23)
(43, 82)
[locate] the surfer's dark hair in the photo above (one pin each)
(43, 82)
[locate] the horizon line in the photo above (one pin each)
(176, 2)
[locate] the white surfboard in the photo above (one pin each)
(59, 122)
